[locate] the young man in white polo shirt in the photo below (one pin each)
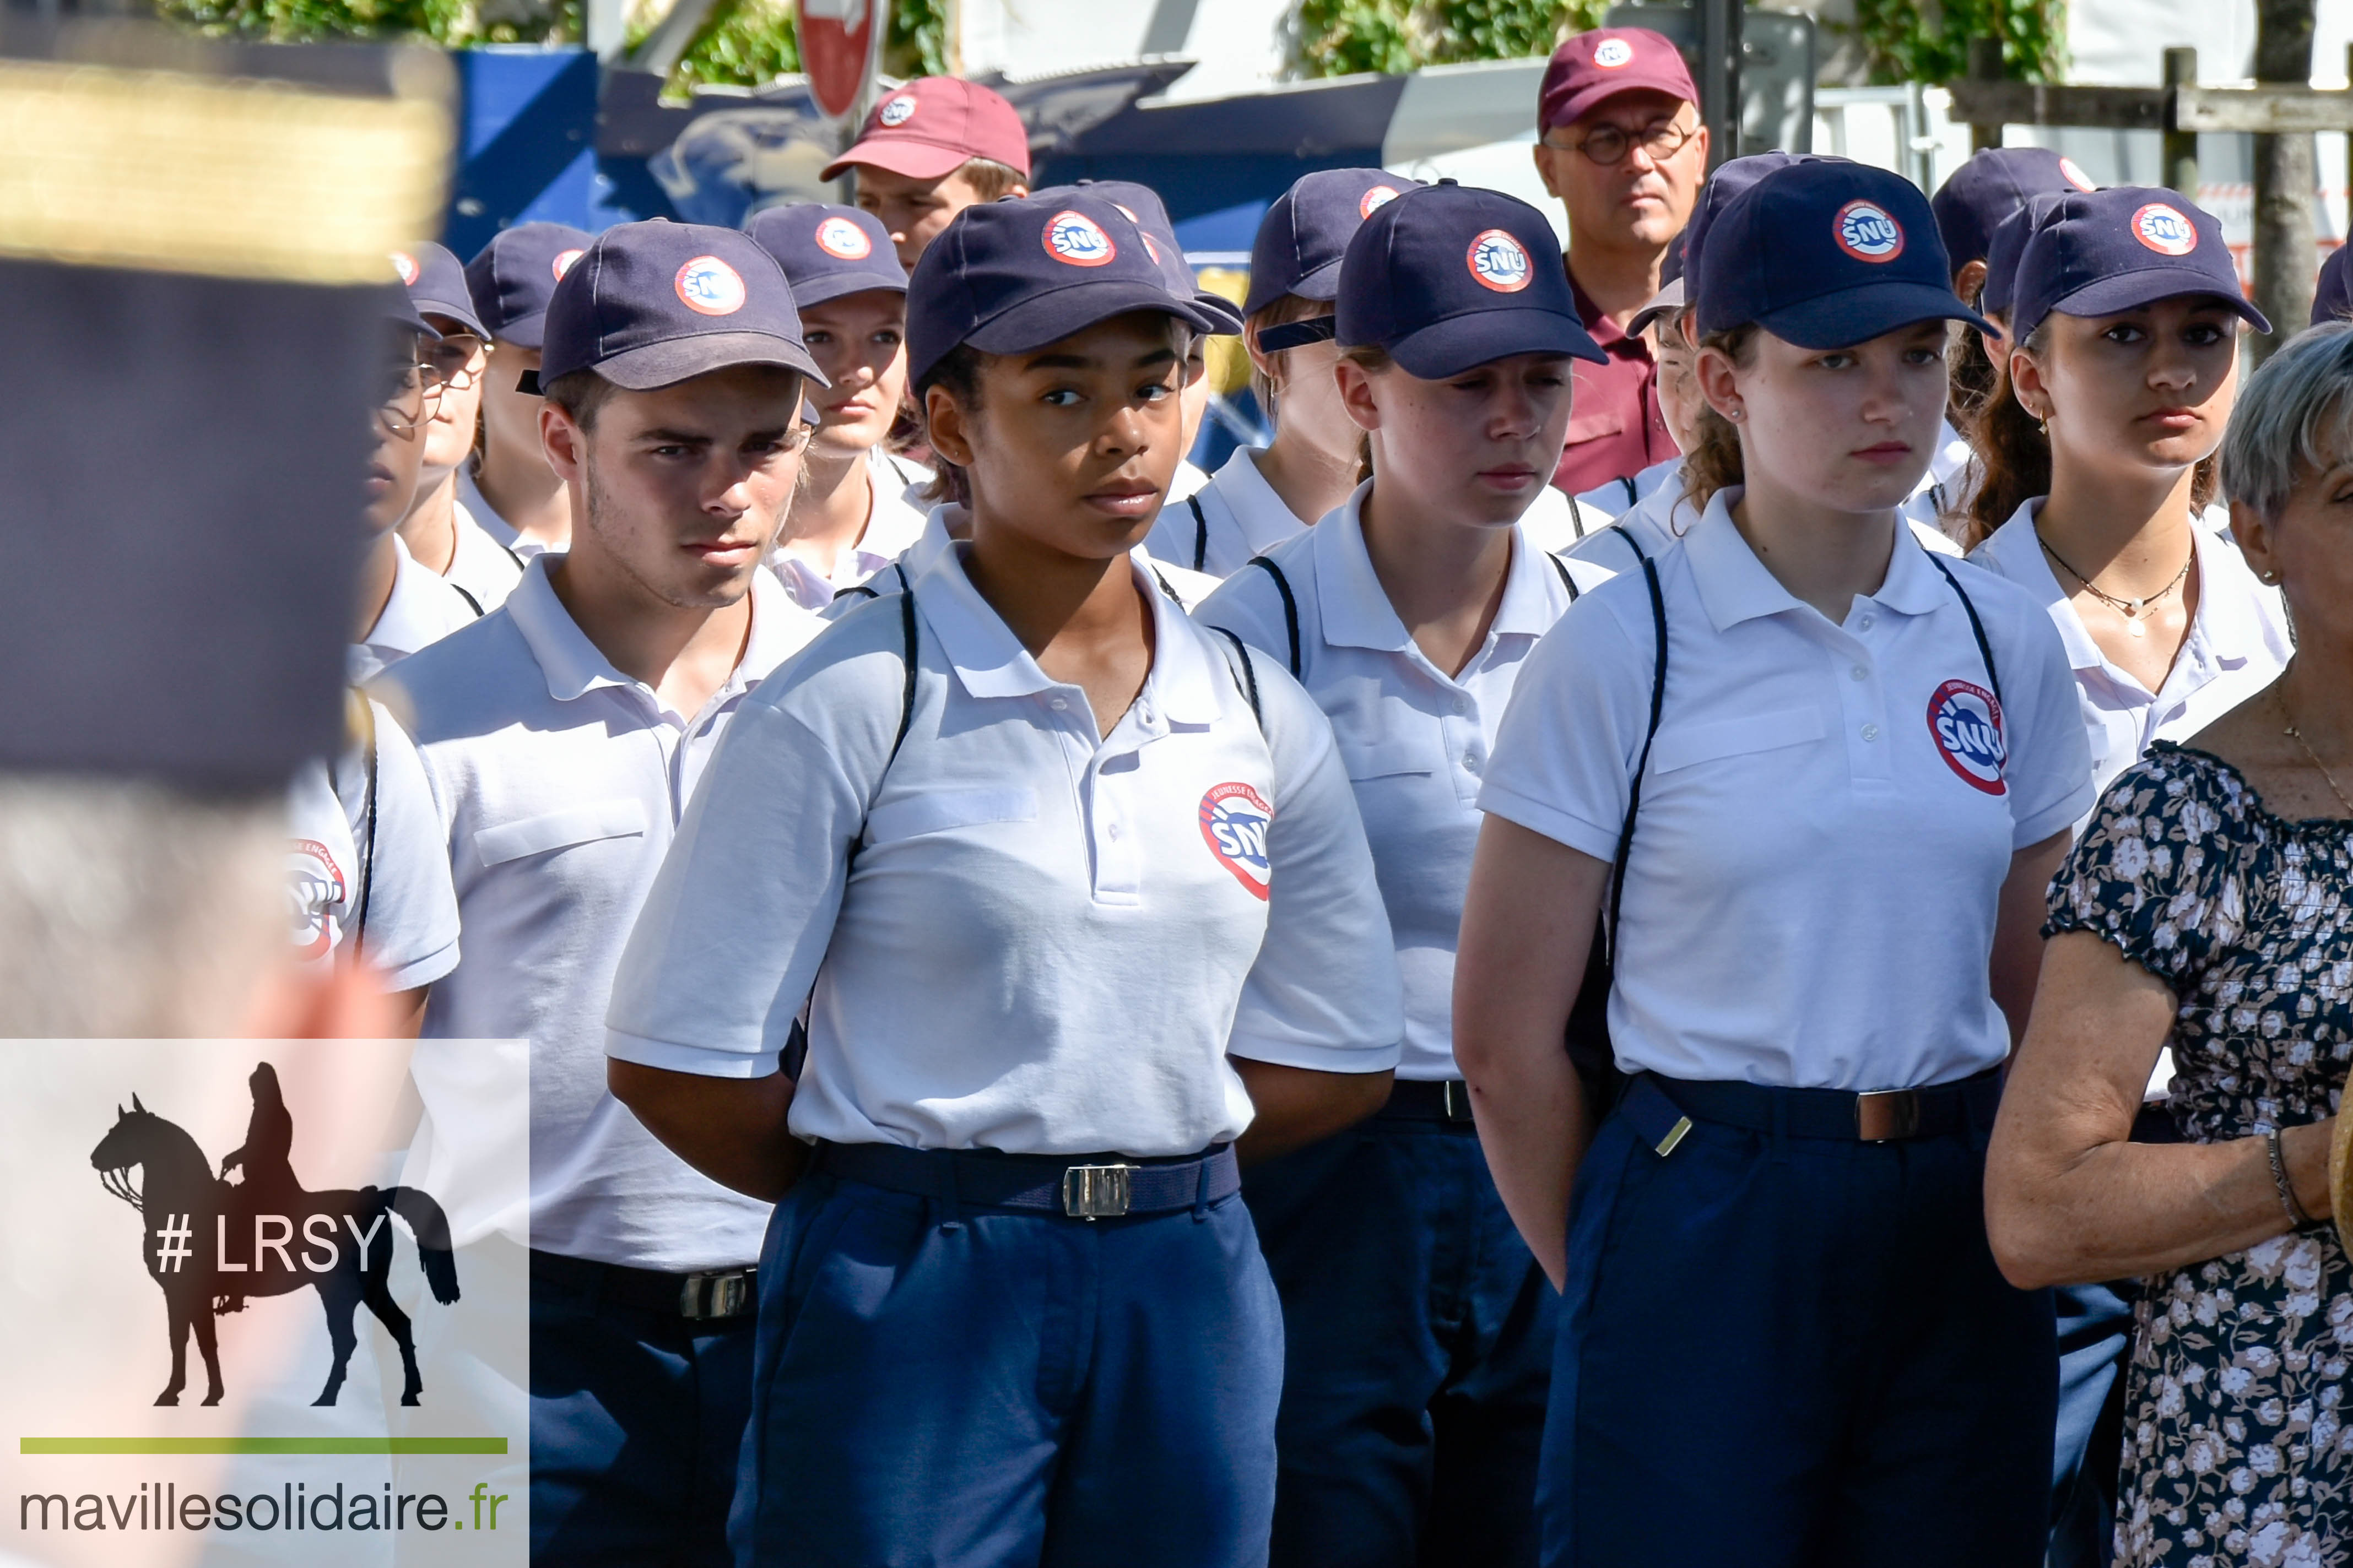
(564, 734)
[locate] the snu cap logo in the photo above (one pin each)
(405, 265)
(2073, 173)
(898, 112)
(1499, 262)
(838, 236)
(1077, 239)
(1374, 200)
(709, 286)
(1234, 821)
(2164, 230)
(563, 260)
(1965, 720)
(1864, 231)
(1613, 54)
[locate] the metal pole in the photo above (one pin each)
(2284, 176)
(1985, 65)
(2180, 146)
(1719, 77)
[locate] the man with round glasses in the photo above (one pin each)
(1619, 142)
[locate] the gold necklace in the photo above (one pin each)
(2293, 734)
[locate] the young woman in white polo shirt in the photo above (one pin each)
(1259, 496)
(1419, 1338)
(2125, 307)
(1067, 884)
(1849, 767)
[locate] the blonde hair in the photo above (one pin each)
(1280, 311)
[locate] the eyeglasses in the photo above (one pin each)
(405, 397)
(1609, 144)
(449, 362)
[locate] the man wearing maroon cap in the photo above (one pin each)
(1619, 142)
(930, 149)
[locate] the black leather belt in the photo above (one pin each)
(1876, 1116)
(1418, 1100)
(707, 1297)
(1081, 1186)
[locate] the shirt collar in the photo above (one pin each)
(1265, 517)
(417, 613)
(990, 661)
(1606, 334)
(1735, 587)
(1356, 609)
(2015, 551)
(2225, 617)
(573, 666)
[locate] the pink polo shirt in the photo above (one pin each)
(1617, 429)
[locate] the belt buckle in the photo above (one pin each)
(702, 1297)
(1455, 1100)
(1885, 1115)
(1097, 1192)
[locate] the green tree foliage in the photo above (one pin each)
(1336, 38)
(747, 42)
(1928, 40)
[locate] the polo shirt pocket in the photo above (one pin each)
(938, 810)
(1593, 426)
(1686, 745)
(560, 829)
(1385, 759)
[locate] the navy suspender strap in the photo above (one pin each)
(1588, 1032)
(1633, 496)
(1977, 626)
(796, 1051)
(1290, 606)
(1247, 677)
(471, 602)
(366, 715)
(867, 590)
(1200, 534)
(1566, 581)
(1168, 588)
(1577, 517)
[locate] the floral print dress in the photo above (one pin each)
(2236, 1445)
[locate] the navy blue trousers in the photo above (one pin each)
(637, 1424)
(1792, 1354)
(1418, 1335)
(984, 1388)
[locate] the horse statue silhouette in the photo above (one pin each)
(206, 1223)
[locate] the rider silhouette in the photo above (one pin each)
(269, 1186)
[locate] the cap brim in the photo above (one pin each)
(400, 311)
(1221, 311)
(524, 331)
(1049, 318)
(461, 314)
(900, 155)
(840, 285)
(1849, 316)
(1461, 343)
(682, 359)
(1668, 298)
(2130, 291)
(1586, 101)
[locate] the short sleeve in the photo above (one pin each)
(1325, 993)
(2050, 769)
(1566, 750)
(410, 933)
(2153, 873)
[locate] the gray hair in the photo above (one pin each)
(2294, 419)
(128, 910)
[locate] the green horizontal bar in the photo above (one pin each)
(262, 1446)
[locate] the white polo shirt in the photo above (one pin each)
(422, 610)
(1190, 477)
(894, 520)
(399, 871)
(561, 782)
(501, 532)
(1240, 516)
(1623, 494)
(1051, 939)
(949, 522)
(1413, 738)
(481, 567)
(2238, 644)
(1665, 514)
(1826, 822)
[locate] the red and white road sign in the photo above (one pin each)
(841, 50)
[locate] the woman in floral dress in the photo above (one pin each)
(2210, 907)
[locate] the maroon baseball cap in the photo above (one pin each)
(1591, 66)
(932, 126)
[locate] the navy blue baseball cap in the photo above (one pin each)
(1447, 276)
(1825, 255)
(827, 251)
(512, 277)
(2118, 250)
(1991, 186)
(1011, 276)
(1732, 176)
(2332, 297)
(2009, 243)
(649, 304)
(437, 284)
(1306, 232)
(1145, 209)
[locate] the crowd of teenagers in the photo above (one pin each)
(1702, 921)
